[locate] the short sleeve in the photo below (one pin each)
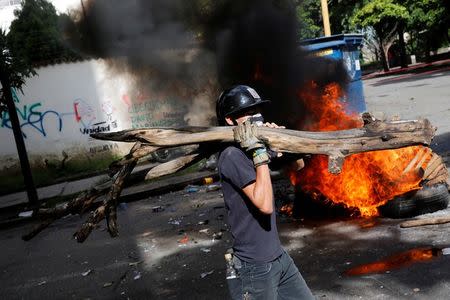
(236, 167)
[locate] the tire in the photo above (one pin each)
(426, 200)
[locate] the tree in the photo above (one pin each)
(13, 71)
(341, 12)
(385, 17)
(428, 24)
(36, 35)
(309, 17)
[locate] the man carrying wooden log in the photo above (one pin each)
(262, 269)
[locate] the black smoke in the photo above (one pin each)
(258, 45)
(245, 42)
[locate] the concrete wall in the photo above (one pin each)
(60, 107)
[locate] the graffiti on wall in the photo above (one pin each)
(144, 112)
(103, 148)
(86, 117)
(40, 120)
(33, 116)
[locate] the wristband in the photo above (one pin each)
(260, 157)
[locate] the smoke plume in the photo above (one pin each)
(207, 46)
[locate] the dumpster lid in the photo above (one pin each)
(332, 41)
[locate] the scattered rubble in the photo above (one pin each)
(157, 209)
(26, 214)
(136, 275)
(203, 275)
(192, 189)
(84, 274)
(184, 240)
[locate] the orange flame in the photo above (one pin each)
(367, 180)
(396, 261)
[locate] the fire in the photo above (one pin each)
(368, 179)
(396, 261)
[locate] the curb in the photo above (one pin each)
(408, 70)
(129, 194)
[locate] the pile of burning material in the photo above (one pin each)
(204, 141)
(368, 180)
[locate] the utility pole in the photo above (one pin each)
(21, 149)
(325, 17)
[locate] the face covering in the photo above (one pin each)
(257, 119)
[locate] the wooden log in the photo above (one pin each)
(423, 222)
(438, 179)
(95, 217)
(170, 166)
(435, 162)
(140, 152)
(77, 205)
(113, 196)
(375, 135)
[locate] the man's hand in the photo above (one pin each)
(246, 135)
(272, 153)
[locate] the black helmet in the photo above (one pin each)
(236, 99)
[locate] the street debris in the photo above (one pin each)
(42, 282)
(205, 222)
(416, 290)
(217, 235)
(136, 275)
(26, 214)
(174, 221)
(135, 263)
(192, 189)
(206, 250)
(184, 240)
(208, 180)
(157, 209)
(213, 187)
(107, 284)
(84, 274)
(203, 275)
(205, 230)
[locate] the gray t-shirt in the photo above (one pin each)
(255, 234)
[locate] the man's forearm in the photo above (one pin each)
(262, 193)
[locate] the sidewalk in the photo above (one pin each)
(410, 69)
(61, 189)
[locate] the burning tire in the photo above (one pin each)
(426, 200)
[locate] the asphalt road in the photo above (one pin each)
(164, 254)
(412, 96)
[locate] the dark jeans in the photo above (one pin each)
(278, 279)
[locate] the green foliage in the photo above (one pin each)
(16, 66)
(378, 13)
(341, 12)
(36, 36)
(429, 23)
(309, 17)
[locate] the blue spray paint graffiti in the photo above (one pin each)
(31, 115)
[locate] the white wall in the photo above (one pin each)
(61, 106)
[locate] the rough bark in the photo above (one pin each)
(375, 135)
